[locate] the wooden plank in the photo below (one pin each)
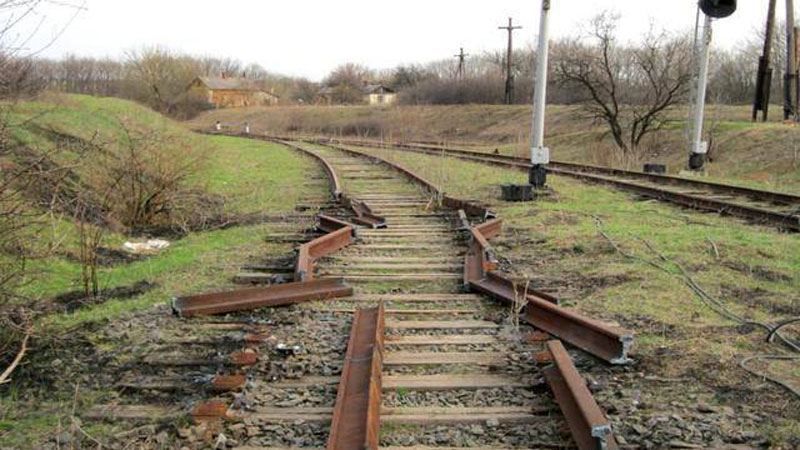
(418, 267)
(359, 276)
(447, 416)
(452, 381)
(399, 260)
(422, 339)
(403, 358)
(409, 312)
(440, 324)
(437, 297)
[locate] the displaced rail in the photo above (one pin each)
(778, 209)
(356, 416)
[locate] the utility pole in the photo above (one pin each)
(790, 77)
(509, 61)
(764, 76)
(540, 155)
(461, 58)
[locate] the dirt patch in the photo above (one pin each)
(762, 298)
(75, 300)
(758, 272)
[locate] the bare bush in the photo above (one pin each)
(145, 175)
(629, 88)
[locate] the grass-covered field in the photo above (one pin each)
(252, 177)
(760, 154)
(558, 244)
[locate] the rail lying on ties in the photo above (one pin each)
(356, 417)
(589, 426)
(338, 235)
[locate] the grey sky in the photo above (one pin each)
(308, 38)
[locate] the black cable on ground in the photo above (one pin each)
(719, 308)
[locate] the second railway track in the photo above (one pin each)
(778, 209)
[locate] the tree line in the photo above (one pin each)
(159, 77)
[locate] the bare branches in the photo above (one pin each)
(628, 88)
(5, 377)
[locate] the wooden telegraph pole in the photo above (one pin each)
(461, 58)
(764, 76)
(509, 61)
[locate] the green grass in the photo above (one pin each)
(181, 265)
(256, 177)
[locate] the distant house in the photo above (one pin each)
(232, 92)
(371, 94)
(378, 94)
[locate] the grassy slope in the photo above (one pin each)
(255, 177)
(557, 244)
(760, 154)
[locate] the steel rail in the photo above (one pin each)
(259, 297)
(355, 424)
(450, 202)
(590, 428)
(587, 173)
(310, 252)
(541, 310)
(753, 193)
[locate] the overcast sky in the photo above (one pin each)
(309, 38)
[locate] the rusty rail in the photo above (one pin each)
(447, 201)
(310, 252)
(590, 428)
(356, 416)
(364, 214)
(541, 310)
(260, 297)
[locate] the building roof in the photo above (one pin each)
(366, 89)
(377, 89)
(239, 84)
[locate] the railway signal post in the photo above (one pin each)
(540, 155)
(712, 9)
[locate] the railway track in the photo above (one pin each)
(781, 210)
(422, 363)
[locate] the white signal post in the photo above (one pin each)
(700, 147)
(540, 155)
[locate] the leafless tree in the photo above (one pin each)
(628, 88)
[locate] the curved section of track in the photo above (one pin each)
(777, 209)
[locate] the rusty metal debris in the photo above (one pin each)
(226, 383)
(356, 416)
(210, 411)
(253, 298)
(364, 214)
(590, 428)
